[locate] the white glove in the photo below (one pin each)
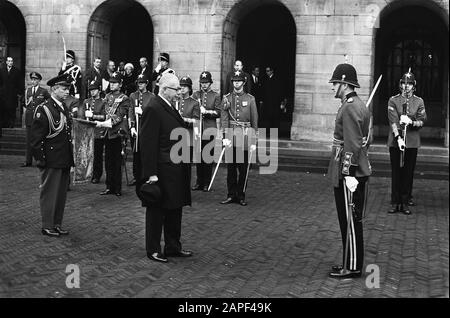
(105, 124)
(404, 119)
(64, 65)
(226, 142)
(88, 114)
(401, 143)
(138, 110)
(133, 132)
(202, 110)
(158, 67)
(351, 183)
(77, 96)
(152, 179)
(252, 148)
(196, 132)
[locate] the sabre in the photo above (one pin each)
(348, 210)
(137, 129)
(217, 167)
(402, 153)
(248, 170)
(369, 101)
(200, 124)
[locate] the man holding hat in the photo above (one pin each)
(74, 71)
(161, 69)
(51, 143)
(349, 169)
(115, 122)
(34, 95)
(139, 100)
(209, 101)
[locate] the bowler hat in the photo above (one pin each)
(150, 193)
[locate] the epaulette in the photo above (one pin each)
(350, 100)
(250, 95)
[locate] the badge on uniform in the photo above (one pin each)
(38, 115)
(118, 100)
(244, 103)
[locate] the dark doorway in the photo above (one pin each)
(12, 43)
(413, 37)
(120, 30)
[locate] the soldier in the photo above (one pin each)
(349, 168)
(189, 109)
(69, 67)
(116, 110)
(239, 112)
(51, 143)
(209, 101)
(34, 96)
(138, 101)
(161, 68)
(406, 113)
(95, 110)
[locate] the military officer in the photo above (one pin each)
(116, 110)
(94, 109)
(51, 143)
(349, 168)
(160, 69)
(238, 114)
(69, 67)
(209, 101)
(34, 95)
(406, 114)
(138, 101)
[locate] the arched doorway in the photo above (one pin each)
(263, 33)
(12, 43)
(413, 37)
(120, 30)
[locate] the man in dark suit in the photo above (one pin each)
(94, 74)
(273, 100)
(256, 87)
(238, 67)
(51, 142)
(158, 121)
(10, 88)
(34, 95)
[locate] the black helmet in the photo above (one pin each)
(408, 77)
(186, 81)
(345, 73)
(238, 76)
(205, 77)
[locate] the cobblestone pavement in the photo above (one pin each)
(281, 245)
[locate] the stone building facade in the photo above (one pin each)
(304, 39)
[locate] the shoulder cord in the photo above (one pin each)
(51, 123)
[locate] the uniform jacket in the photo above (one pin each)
(138, 99)
(158, 121)
(229, 86)
(189, 108)
(97, 106)
(415, 109)
(349, 152)
(51, 139)
(33, 100)
(76, 88)
(211, 101)
(239, 111)
(117, 105)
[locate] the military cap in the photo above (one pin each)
(238, 76)
(164, 56)
(115, 78)
(63, 80)
(142, 78)
(186, 81)
(346, 74)
(205, 77)
(408, 77)
(94, 85)
(35, 75)
(70, 53)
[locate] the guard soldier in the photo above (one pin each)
(139, 100)
(161, 68)
(95, 110)
(69, 67)
(116, 110)
(238, 114)
(209, 101)
(34, 96)
(349, 169)
(406, 113)
(51, 143)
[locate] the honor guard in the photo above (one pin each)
(349, 169)
(51, 143)
(116, 110)
(209, 101)
(69, 67)
(161, 68)
(34, 95)
(406, 114)
(139, 100)
(95, 110)
(238, 114)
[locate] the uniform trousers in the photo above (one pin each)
(235, 183)
(28, 156)
(54, 184)
(113, 164)
(402, 177)
(355, 253)
(99, 146)
(157, 218)
(204, 170)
